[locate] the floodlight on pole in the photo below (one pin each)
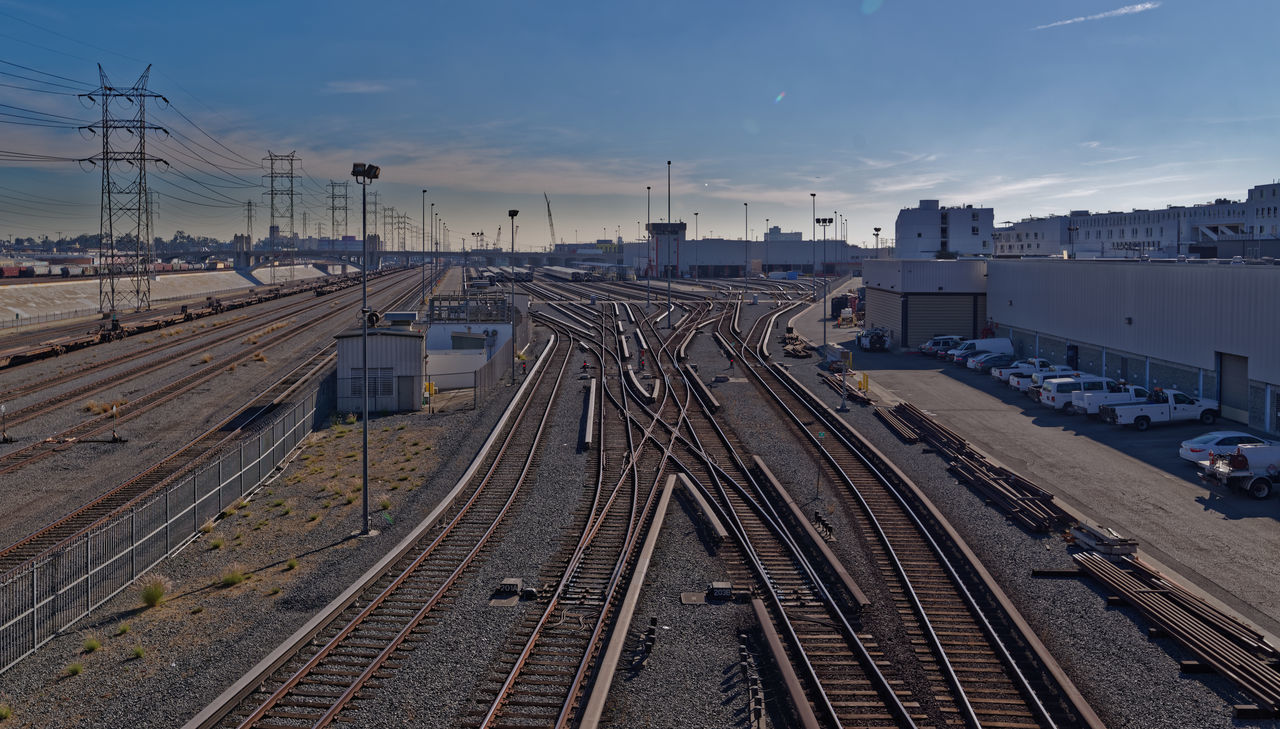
(364, 174)
(512, 214)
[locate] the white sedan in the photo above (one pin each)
(1218, 442)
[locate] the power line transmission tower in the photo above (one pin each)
(124, 237)
(337, 209)
(281, 195)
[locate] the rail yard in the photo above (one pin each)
(660, 522)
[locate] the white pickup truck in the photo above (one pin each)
(1027, 380)
(1022, 366)
(1161, 406)
(1252, 468)
(1088, 401)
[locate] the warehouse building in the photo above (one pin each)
(918, 300)
(1206, 328)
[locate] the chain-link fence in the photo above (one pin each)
(49, 594)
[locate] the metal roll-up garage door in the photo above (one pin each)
(1233, 386)
(884, 309)
(931, 315)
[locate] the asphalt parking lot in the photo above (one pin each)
(1216, 540)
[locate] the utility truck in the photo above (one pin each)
(1161, 406)
(1088, 401)
(1251, 468)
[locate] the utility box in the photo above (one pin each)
(397, 366)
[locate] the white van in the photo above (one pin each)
(1057, 393)
(994, 344)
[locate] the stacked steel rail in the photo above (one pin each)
(1023, 501)
(1223, 643)
(323, 668)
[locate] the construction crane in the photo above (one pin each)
(550, 222)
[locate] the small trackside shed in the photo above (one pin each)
(917, 300)
(397, 365)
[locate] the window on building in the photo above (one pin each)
(975, 218)
(973, 229)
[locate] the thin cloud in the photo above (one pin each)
(1111, 161)
(1091, 144)
(356, 87)
(1126, 10)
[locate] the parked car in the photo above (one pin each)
(962, 358)
(991, 359)
(991, 344)
(1162, 406)
(941, 343)
(1027, 366)
(1088, 401)
(1216, 443)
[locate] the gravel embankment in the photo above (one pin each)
(206, 636)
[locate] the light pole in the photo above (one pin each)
(746, 245)
(424, 246)
(512, 214)
(695, 247)
(648, 246)
(824, 222)
(364, 174)
(876, 231)
(435, 255)
(813, 241)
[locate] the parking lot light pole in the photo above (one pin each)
(512, 214)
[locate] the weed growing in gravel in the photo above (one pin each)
(278, 502)
(91, 643)
(206, 358)
(325, 504)
(259, 357)
(137, 653)
(233, 576)
(402, 478)
(99, 407)
(6, 711)
(287, 511)
(75, 669)
(216, 544)
(122, 629)
(349, 420)
(274, 591)
(292, 564)
(400, 426)
(312, 517)
(351, 500)
(197, 609)
(385, 504)
(231, 367)
(206, 527)
(152, 589)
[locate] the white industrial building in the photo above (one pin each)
(1203, 327)
(1191, 230)
(933, 231)
(728, 257)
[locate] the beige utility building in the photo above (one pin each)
(917, 300)
(397, 366)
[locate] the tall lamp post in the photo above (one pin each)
(813, 241)
(824, 222)
(746, 245)
(423, 300)
(876, 231)
(512, 214)
(364, 174)
(648, 245)
(695, 247)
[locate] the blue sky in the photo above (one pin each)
(1029, 107)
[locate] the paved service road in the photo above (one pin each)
(1224, 543)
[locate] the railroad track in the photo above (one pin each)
(223, 334)
(173, 466)
(312, 680)
(971, 672)
(108, 421)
